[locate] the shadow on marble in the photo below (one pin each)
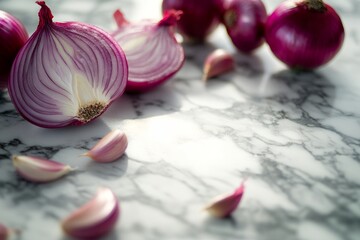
(247, 75)
(108, 171)
(249, 65)
(113, 235)
(309, 86)
(158, 101)
(197, 53)
(245, 63)
(284, 87)
(228, 221)
(3, 96)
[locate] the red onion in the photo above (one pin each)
(13, 36)
(67, 73)
(199, 19)
(304, 34)
(151, 49)
(245, 22)
(4, 232)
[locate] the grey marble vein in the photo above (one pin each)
(295, 137)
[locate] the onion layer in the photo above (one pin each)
(200, 17)
(245, 23)
(94, 219)
(13, 36)
(304, 34)
(151, 49)
(67, 73)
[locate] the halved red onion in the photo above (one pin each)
(13, 36)
(67, 73)
(152, 51)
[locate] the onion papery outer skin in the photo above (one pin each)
(13, 36)
(94, 219)
(151, 49)
(304, 38)
(67, 73)
(200, 17)
(245, 23)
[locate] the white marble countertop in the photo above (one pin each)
(294, 136)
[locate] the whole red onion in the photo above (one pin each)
(245, 22)
(304, 33)
(199, 19)
(13, 36)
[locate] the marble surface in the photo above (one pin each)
(294, 136)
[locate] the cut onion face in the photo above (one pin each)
(151, 49)
(67, 73)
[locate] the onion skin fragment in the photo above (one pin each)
(13, 36)
(39, 170)
(110, 148)
(94, 219)
(67, 73)
(224, 205)
(304, 34)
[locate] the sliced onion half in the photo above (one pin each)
(152, 51)
(67, 73)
